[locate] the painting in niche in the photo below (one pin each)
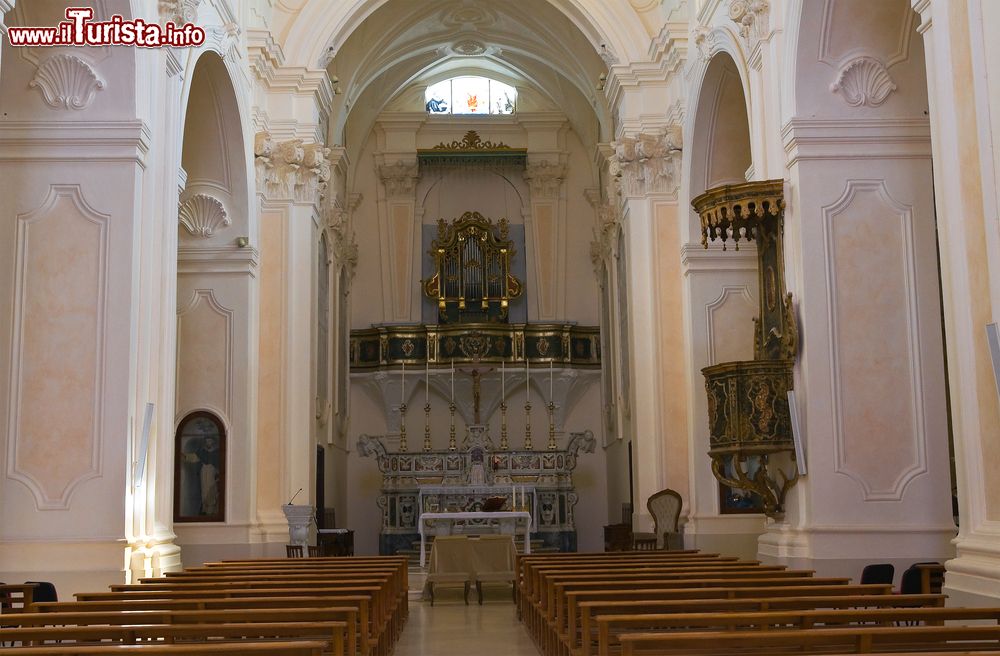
(734, 500)
(199, 474)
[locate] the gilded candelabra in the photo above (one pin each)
(552, 426)
(402, 428)
(527, 427)
(504, 444)
(452, 445)
(427, 426)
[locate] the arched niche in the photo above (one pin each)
(721, 152)
(213, 205)
(200, 468)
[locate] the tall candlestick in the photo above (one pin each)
(402, 385)
(550, 381)
(427, 382)
(503, 381)
(527, 380)
(453, 380)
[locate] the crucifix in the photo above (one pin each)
(477, 377)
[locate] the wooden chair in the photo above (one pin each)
(293, 550)
(878, 573)
(665, 507)
(313, 551)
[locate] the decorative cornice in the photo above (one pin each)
(66, 82)
(472, 141)
(179, 11)
(647, 163)
(291, 170)
(202, 215)
(545, 178)
(266, 56)
(400, 179)
(863, 81)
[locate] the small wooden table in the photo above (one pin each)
(335, 542)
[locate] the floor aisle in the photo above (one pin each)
(451, 627)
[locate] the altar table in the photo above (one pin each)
(510, 523)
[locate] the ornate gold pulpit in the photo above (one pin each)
(750, 428)
(472, 280)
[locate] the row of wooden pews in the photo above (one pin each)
(341, 606)
(684, 602)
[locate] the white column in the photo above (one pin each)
(962, 64)
(648, 165)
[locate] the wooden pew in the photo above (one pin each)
(348, 615)
(564, 628)
(330, 633)
(389, 604)
(589, 611)
(848, 640)
(368, 643)
(609, 627)
(554, 614)
(275, 648)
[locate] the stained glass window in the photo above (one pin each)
(470, 95)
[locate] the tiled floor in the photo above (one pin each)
(451, 627)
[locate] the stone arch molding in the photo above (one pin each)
(911, 459)
(76, 227)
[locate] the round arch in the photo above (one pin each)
(721, 151)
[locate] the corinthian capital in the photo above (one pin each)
(753, 19)
(343, 244)
(291, 169)
(647, 163)
(179, 11)
(399, 179)
(545, 178)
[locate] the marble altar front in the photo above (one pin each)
(460, 481)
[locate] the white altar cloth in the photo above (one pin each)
(508, 524)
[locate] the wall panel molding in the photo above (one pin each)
(907, 459)
(61, 284)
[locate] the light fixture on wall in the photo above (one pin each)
(335, 81)
(242, 242)
(601, 79)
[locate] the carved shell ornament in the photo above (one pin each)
(66, 82)
(202, 215)
(864, 81)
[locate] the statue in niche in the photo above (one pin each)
(477, 470)
(478, 445)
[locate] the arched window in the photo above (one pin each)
(200, 469)
(470, 95)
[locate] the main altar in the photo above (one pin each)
(442, 482)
